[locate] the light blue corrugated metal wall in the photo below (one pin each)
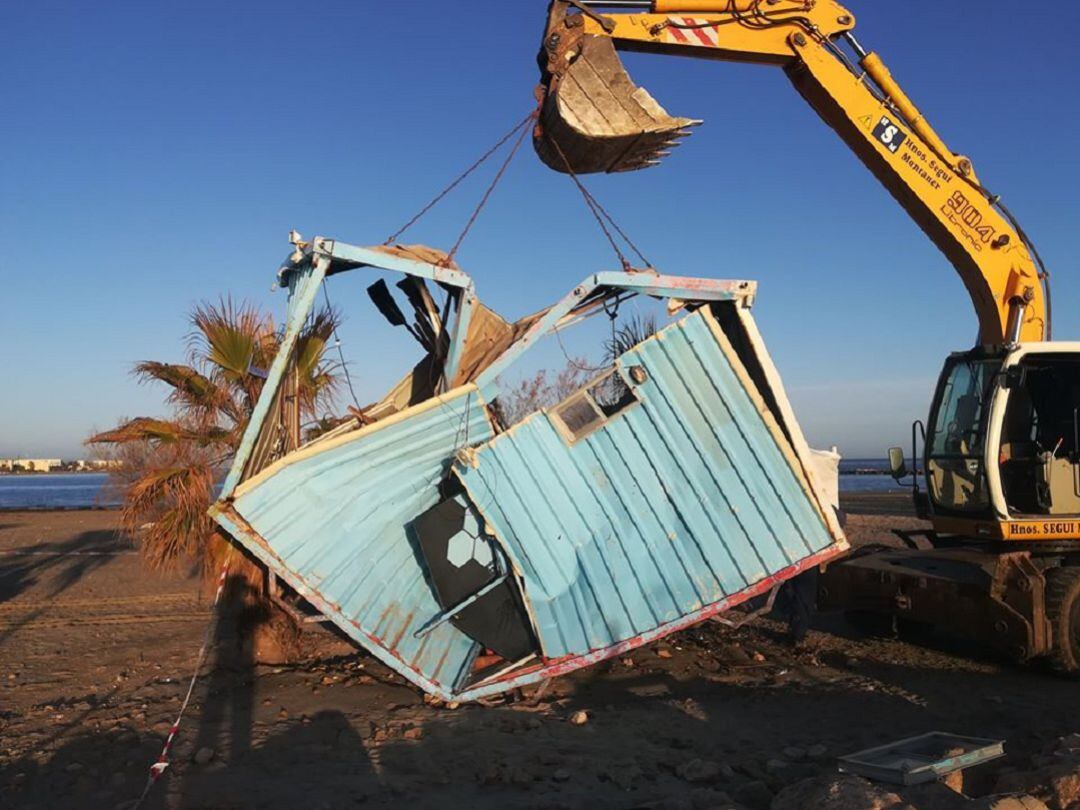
(677, 502)
(338, 520)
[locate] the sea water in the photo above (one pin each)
(55, 491)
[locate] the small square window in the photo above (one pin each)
(579, 415)
(590, 408)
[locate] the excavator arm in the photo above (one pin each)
(595, 119)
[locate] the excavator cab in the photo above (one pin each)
(594, 118)
(1039, 447)
(1002, 452)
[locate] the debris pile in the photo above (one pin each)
(1054, 776)
(1050, 781)
(849, 792)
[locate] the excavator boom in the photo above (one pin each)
(595, 119)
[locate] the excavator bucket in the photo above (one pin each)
(595, 119)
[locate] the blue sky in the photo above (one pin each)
(157, 154)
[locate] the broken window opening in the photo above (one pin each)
(594, 406)
(612, 394)
(474, 586)
(579, 415)
(574, 369)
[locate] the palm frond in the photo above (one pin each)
(171, 464)
(230, 336)
(191, 390)
(165, 508)
(319, 379)
(161, 431)
(185, 486)
(312, 342)
(635, 330)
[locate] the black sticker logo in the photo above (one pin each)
(889, 134)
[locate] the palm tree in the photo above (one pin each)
(170, 467)
(637, 329)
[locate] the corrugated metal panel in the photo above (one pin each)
(334, 519)
(678, 502)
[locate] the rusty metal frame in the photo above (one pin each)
(273, 591)
(594, 289)
(748, 617)
(302, 274)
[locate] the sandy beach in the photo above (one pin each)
(97, 653)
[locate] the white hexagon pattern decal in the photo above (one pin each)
(462, 548)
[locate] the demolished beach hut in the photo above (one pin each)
(474, 556)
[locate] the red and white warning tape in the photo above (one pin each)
(691, 31)
(158, 768)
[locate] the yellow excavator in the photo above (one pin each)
(1001, 447)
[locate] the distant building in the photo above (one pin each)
(30, 464)
(94, 464)
(39, 464)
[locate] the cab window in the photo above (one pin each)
(1039, 457)
(954, 467)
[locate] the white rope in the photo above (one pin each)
(159, 767)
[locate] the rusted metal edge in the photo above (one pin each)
(555, 668)
(548, 668)
(244, 534)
